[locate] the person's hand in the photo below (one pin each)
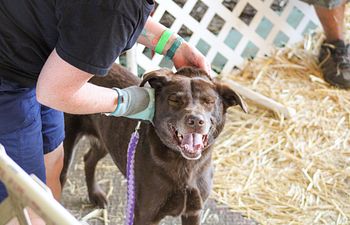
(187, 55)
(135, 102)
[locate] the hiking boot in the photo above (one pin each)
(335, 63)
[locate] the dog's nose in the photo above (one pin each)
(195, 120)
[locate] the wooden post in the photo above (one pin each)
(260, 99)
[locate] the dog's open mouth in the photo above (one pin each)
(191, 145)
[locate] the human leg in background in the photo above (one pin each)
(334, 54)
(332, 21)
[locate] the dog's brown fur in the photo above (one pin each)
(166, 182)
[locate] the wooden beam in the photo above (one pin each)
(260, 99)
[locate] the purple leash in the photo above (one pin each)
(130, 176)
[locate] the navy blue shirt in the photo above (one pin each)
(88, 34)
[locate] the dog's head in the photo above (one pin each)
(190, 109)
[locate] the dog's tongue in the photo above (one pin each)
(192, 142)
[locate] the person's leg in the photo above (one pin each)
(34, 219)
(53, 136)
(332, 21)
(334, 54)
(53, 167)
(20, 132)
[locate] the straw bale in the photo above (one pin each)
(280, 171)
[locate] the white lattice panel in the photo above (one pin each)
(227, 31)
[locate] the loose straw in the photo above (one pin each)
(287, 171)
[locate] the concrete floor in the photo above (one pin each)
(76, 201)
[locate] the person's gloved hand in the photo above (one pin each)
(135, 102)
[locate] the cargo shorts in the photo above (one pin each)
(28, 130)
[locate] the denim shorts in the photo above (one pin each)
(330, 4)
(28, 130)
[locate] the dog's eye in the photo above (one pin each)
(208, 101)
(174, 100)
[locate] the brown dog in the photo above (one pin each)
(173, 169)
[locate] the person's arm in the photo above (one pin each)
(151, 34)
(185, 55)
(64, 87)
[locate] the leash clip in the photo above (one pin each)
(138, 126)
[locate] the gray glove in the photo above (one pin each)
(135, 102)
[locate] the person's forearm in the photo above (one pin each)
(176, 49)
(86, 100)
(65, 88)
(151, 34)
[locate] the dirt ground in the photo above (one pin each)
(76, 201)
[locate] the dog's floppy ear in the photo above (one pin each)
(157, 78)
(230, 98)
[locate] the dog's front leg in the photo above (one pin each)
(194, 206)
(136, 222)
(144, 220)
(194, 219)
(145, 213)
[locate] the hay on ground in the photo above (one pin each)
(294, 171)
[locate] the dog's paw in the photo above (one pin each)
(98, 197)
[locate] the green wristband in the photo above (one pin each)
(162, 41)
